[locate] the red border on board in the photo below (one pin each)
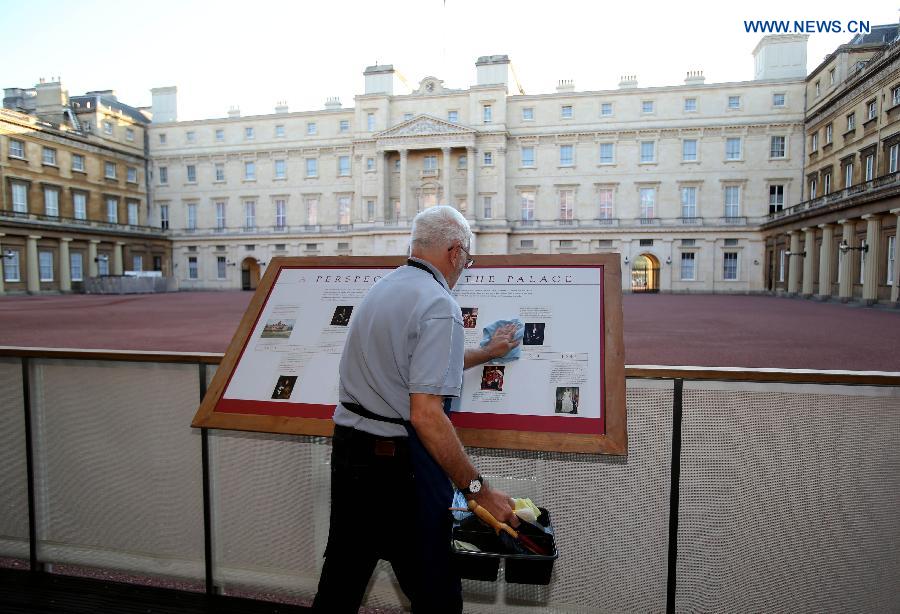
(462, 419)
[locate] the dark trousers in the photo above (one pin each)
(377, 512)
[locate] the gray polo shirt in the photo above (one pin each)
(405, 336)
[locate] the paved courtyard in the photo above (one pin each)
(662, 329)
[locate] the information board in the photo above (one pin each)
(565, 392)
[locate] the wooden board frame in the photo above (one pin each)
(613, 441)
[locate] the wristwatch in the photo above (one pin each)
(474, 487)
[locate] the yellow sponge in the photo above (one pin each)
(526, 510)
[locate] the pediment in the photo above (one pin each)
(424, 125)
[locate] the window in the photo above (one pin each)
(51, 202)
(566, 155)
(77, 162)
(312, 167)
(862, 264)
(732, 201)
(605, 197)
(813, 187)
(870, 167)
(689, 202)
(893, 155)
(191, 173)
(280, 169)
(688, 266)
(370, 122)
(487, 207)
(688, 242)
(778, 100)
(781, 257)
(11, 266)
(891, 258)
(648, 202)
(191, 216)
(312, 211)
(103, 265)
(250, 214)
(648, 152)
(848, 175)
(16, 148)
(221, 267)
(397, 165)
(133, 214)
(731, 242)
(646, 106)
(193, 273)
(76, 266)
(279, 130)
(280, 214)
(220, 171)
(407, 116)
(20, 197)
(220, 134)
(344, 166)
(462, 162)
(452, 116)
(730, 271)
(191, 136)
(851, 122)
(566, 112)
(45, 260)
(606, 109)
(566, 204)
(527, 114)
(487, 113)
(280, 247)
(107, 127)
(776, 147)
(163, 175)
(430, 163)
(162, 138)
(528, 156)
(249, 133)
(370, 210)
(733, 148)
(250, 171)
(49, 157)
(311, 128)
(607, 153)
(832, 76)
(814, 142)
(871, 109)
(79, 204)
(827, 180)
(776, 197)
(343, 210)
(734, 102)
(526, 243)
(112, 210)
(370, 165)
(220, 215)
(689, 150)
(527, 205)
(137, 262)
(164, 217)
(690, 105)
(488, 158)
(895, 96)
(86, 126)
(109, 170)
(344, 125)
(829, 134)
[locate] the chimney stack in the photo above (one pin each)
(164, 104)
(628, 82)
(281, 106)
(565, 85)
(333, 103)
(493, 70)
(694, 77)
(50, 98)
(234, 112)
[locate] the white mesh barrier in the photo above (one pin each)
(118, 468)
(790, 499)
(14, 475)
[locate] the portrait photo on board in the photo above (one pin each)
(277, 328)
(284, 387)
(534, 333)
(492, 378)
(470, 317)
(341, 315)
(567, 400)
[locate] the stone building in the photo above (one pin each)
(73, 202)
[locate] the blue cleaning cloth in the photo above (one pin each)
(489, 331)
(459, 500)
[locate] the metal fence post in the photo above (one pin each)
(673, 494)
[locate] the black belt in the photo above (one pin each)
(365, 413)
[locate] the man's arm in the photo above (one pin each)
(502, 341)
(440, 439)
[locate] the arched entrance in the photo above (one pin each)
(249, 274)
(645, 274)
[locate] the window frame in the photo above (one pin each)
(21, 147)
(735, 257)
(45, 264)
(692, 257)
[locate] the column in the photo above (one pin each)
(872, 258)
(793, 285)
(359, 213)
(404, 186)
(808, 260)
(93, 270)
(895, 285)
(2, 262)
(500, 207)
(383, 212)
(65, 275)
(117, 258)
(470, 182)
(825, 257)
(845, 283)
(448, 190)
(33, 271)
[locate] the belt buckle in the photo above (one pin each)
(385, 447)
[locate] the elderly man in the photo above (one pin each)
(395, 452)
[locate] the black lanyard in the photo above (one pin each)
(419, 265)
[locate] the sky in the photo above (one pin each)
(253, 54)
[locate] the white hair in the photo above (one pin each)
(441, 226)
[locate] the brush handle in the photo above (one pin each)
(487, 517)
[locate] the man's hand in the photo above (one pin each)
(497, 503)
(502, 341)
